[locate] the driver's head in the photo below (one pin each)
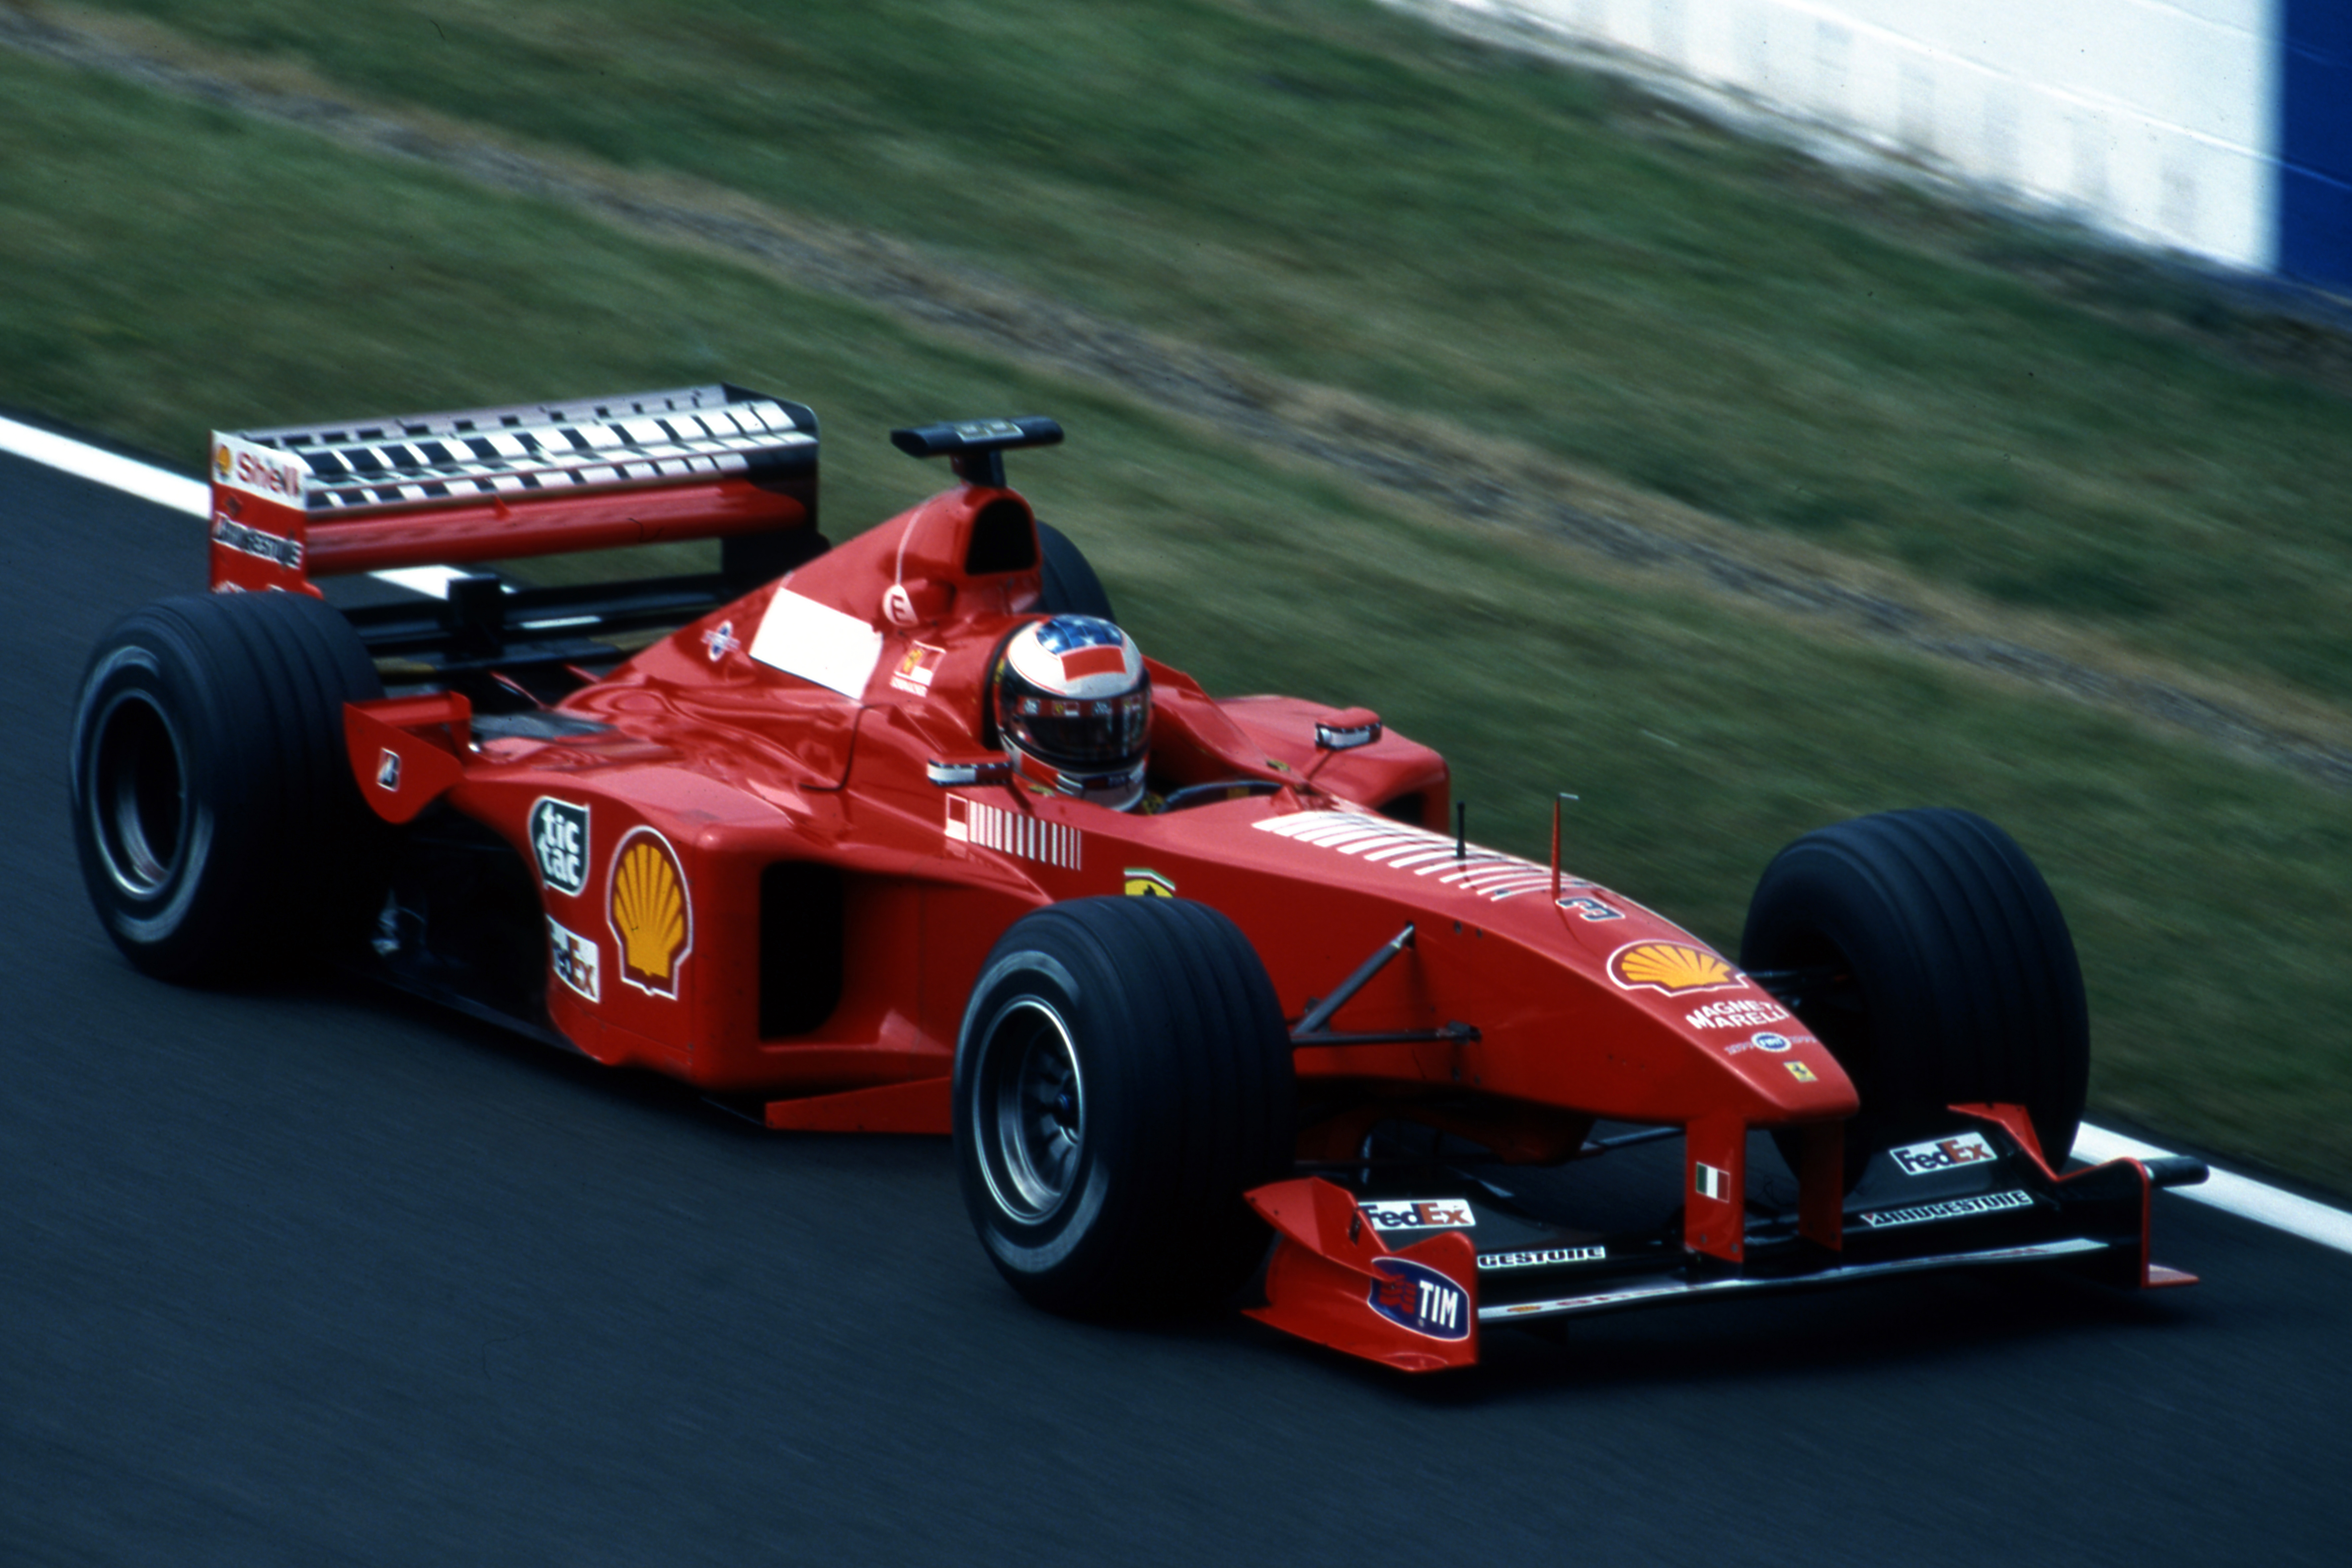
(1074, 708)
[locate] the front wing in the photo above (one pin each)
(1371, 1265)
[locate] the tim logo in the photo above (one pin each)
(1945, 1155)
(1416, 1296)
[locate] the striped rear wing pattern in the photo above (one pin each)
(645, 439)
(700, 462)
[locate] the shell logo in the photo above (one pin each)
(220, 459)
(1672, 967)
(651, 913)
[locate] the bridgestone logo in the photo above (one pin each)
(1957, 1208)
(1540, 1258)
(270, 547)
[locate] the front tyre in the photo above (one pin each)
(1928, 953)
(1123, 1076)
(220, 832)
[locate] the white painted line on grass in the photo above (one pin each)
(85, 461)
(2231, 1193)
(2223, 1190)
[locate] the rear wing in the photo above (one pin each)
(459, 488)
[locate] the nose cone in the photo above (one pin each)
(1747, 1041)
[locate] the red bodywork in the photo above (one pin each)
(729, 765)
(801, 725)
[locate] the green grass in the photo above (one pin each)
(1338, 194)
(164, 268)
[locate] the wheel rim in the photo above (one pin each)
(1030, 1105)
(139, 797)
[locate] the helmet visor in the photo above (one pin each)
(1081, 733)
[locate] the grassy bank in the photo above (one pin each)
(168, 268)
(1336, 193)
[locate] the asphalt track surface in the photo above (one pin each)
(316, 1276)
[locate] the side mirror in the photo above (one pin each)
(1347, 730)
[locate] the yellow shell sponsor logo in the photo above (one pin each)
(1672, 967)
(652, 915)
(1142, 883)
(220, 459)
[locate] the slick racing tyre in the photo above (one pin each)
(1927, 952)
(1122, 1077)
(1070, 585)
(220, 832)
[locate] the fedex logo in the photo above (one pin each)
(1417, 1214)
(1944, 1155)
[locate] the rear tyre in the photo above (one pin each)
(1931, 959)
(220, 832)
(1070, 585)
(1122, 1077)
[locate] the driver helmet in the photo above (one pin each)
(1073, 709)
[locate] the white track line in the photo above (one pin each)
(83, 461)
(2231, 1193)
(2223, 1190)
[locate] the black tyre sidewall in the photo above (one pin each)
(277, 840)
(1067, 583)
(1968, 975)
(1188, 1102)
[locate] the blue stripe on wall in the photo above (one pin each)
(2314, 209)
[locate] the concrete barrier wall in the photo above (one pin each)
(2218, 127)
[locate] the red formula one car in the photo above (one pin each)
(908, 835)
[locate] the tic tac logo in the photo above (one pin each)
(387, 772)
(1671, 967)
(559, 842)
(1418, 1214)
(1416, 1296)
(1944, 1155)
(651, 912)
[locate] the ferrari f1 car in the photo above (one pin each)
(907, 835)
